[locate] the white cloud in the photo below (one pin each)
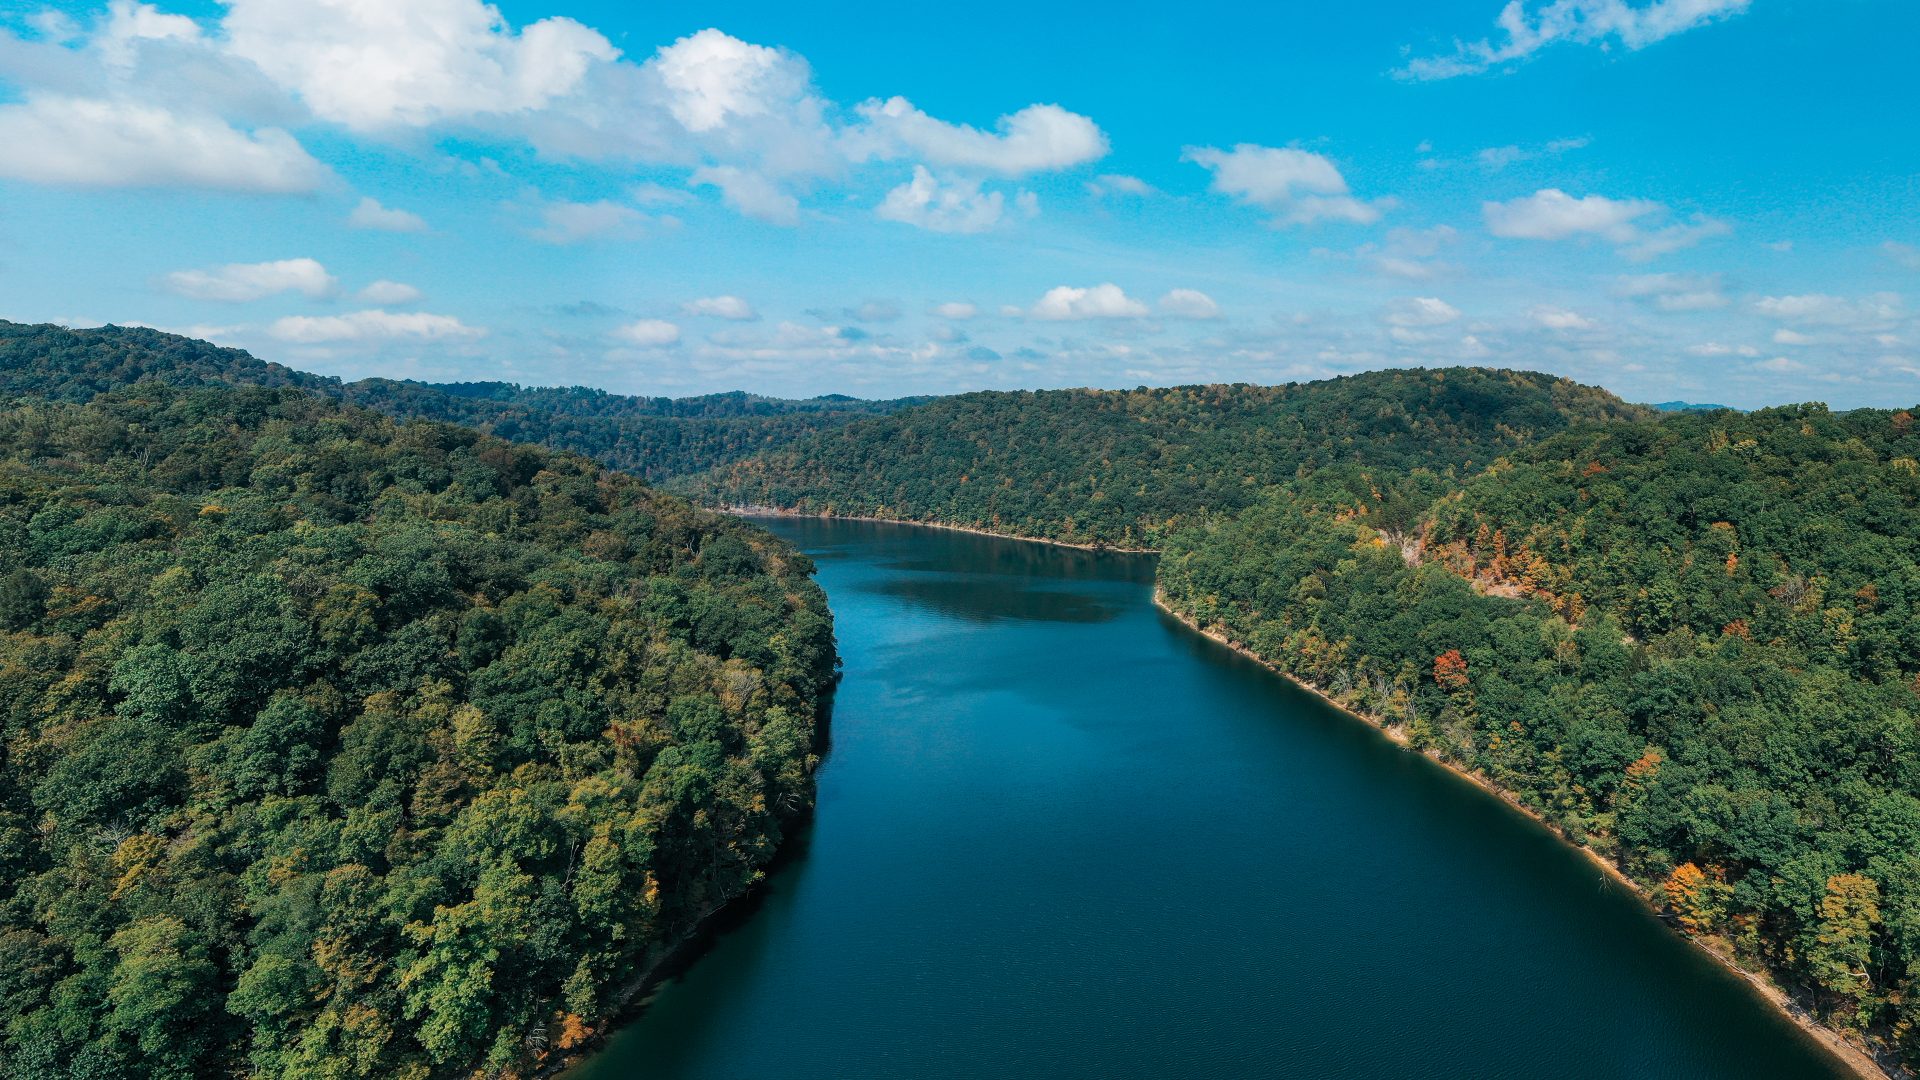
(1118, 184)
(95, 142)
(572, 222)
(1715, 348)
(715, 77)
(369, 66)
(732, 308)
(384, 292)
(1067, 302)
(240, 282)
(1297, 186)
(649, 333)
(957, 206)
(1420, 311)
(1038, 138)
(129, 21)
(1188, 304)
(1561, 319)
(751, 193)
(1674, 292)
(1822, 310)
(1552, 214)
(1781, 364)
(1529, 27)
(1497, 158)
(1675, 237)
(1784, 336)
(369, 214)
(958, 310)
(54, 25)
(1410, 253)
(1905, 255)
(208, 102)
(371, 325)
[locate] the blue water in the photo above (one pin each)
(1059, 835)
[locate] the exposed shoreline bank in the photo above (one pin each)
(784, 512)
(1854, 1056)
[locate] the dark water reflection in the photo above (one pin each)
(1060, 836)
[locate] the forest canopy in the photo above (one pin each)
(1691, 644)
(653, 437)
(338, 747)
(438, 735)
(1122, 467)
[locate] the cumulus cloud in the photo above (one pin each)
(1069, 303)
(573, 222)
(1188, 304)
(1820, 309)
(371, 326)
(648, 333)
(384, 293)
(207, 103)
(1297, 186)
(732, 308)
(1905, 255)
(1527, 27)
(369, 66)
(956, 206)
(1552, 214)
(1673, 292)
(715, 77)
(1631, 225)
(1038, 138)
(751, 193)
(1561, 319)
(1410, 253)
(369, 214)
(241, 282)
(1119, 184)
(98, 142)
(1420, 311)
(958, 310)
(1715, 349)
(129, 22)
(1497, 158)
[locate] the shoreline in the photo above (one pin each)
(780, 512)
(670, 959)
(1855, 1057)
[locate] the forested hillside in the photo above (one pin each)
(1121, 467)
(651, 437)
(1690, 643)
(335, 747)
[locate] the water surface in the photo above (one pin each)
(1061, 836)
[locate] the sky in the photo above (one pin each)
(1703, 200)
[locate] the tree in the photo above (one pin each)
(1843, 943)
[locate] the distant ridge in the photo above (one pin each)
(1121, 467)
(654, 437)
(1688, 406)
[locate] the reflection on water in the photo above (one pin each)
(972, 597)
(1059, 836)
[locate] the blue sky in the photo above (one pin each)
(1711, 200)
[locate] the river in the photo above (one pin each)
(1059, 835)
